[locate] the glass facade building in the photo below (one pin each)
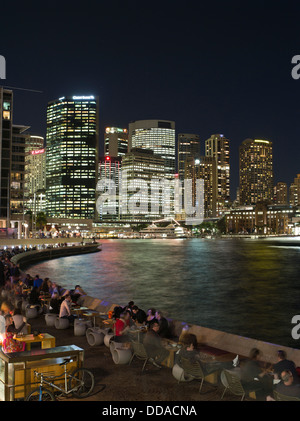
(217, 146)
(72, 156)
(157, 136)
(115, 142)
(188, 148)
(256, 171)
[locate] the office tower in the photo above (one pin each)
(188, 148)
(34, 142)
(109, 175)
(35, 176)
(17, 183)
(217, 146)
(157, 136)
(204, 169)
(295, 191)
(256, 171)
(72, 156)
(6, 119)
(115, 142)
(143, 194)
(280, 194)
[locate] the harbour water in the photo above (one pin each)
(241, 286)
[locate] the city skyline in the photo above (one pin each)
(179, 63)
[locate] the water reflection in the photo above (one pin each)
(245, 287)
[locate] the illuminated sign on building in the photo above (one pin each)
(83, 97)
(37, 152)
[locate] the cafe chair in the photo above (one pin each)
(50, 319)
(31, 312)
(233, 383)
(62, 323)
(191, 371)
(121, 355)
(95, 336)
(139, 351)
(280, 397)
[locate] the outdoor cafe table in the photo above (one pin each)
(91, 314)
(172, 347)
(78, 310)
(47, 341)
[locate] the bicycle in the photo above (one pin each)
(80, 383)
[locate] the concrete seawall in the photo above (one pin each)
(30, 257)
(213, 338)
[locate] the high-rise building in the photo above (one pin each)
(17, 183)
(295, 191)
(35, 179)
(115, 142)
(188, 148)
(108, 188)
(217, 146)
(142, 194)
(256, 171)
(204, 169)
(280, 194)
(72, 156)
(157, 136)
(6, 121)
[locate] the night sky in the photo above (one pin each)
(212, 67)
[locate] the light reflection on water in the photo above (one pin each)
(246, 287)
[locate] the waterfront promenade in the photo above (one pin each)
(127, 382)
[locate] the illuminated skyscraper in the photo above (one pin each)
(295, 191)
(217, 146)
(280, 194)
(204, 169)
(142, 194)
(157, 136)
(115, 142)
(72, 155)
(256, 171)
(188, 148)
(108, 183)
(35, 174)
(6, 122)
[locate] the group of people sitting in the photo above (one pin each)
(152, 323)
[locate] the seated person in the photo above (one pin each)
(65, 309)
(138, 315)
(164, 331)
(55, 302)
(287, 386)
(77, 293)
(150, 316)
(33, 297)
(121, 327)
(20, 321)
(10, 344)
(152, 343)
(189, 352)
(254, 375)
(284, 364)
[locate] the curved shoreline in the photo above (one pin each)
(28, 258)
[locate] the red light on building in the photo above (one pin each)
(107, 158)
(37, 152)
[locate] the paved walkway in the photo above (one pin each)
(128, 382)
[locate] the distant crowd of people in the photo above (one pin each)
(33, 289)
